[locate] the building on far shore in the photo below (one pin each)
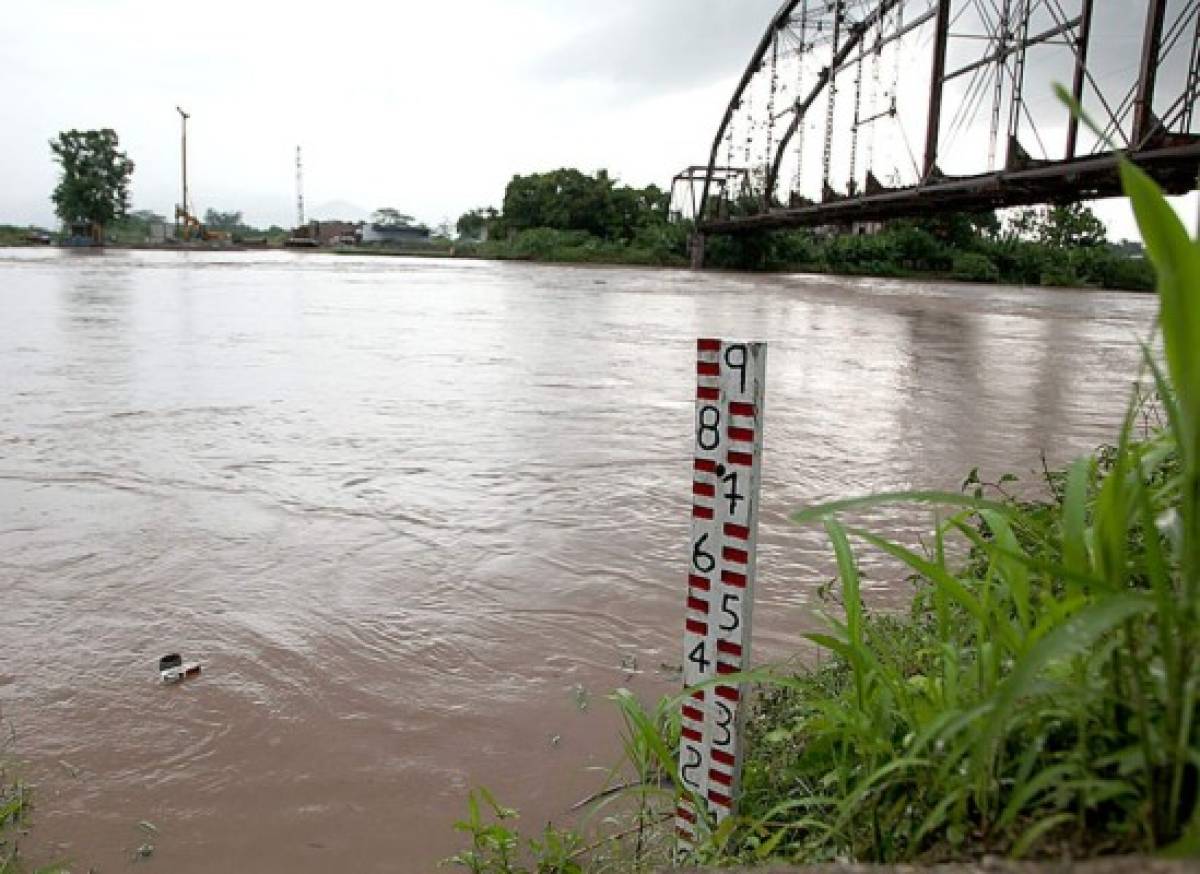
(325, 233)
(394, 234)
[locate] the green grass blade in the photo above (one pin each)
(951, 499)
(1069, 639)
(1177, 261)
(1074, 517)
(942, 578)
(1037, 831)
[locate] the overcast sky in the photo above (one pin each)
(424, 106)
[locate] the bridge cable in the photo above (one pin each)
(1018, 78)
(1191, 90)
(1113, 124)
(768, 195)
(896, 89)
(831, 103)
(851, 185)
(800, 62)
(1001, 37)
(1167, 44)
(873, 101)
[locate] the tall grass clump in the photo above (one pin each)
(1040, 697)
(14, 804)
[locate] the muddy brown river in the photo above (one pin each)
(417, 518)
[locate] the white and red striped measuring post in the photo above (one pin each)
(725, 481)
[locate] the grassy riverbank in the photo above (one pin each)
(1038, 700)
(14, 802)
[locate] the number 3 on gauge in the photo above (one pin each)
(691, 764)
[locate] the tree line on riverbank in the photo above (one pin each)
(570, 216)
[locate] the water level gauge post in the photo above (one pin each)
(728, 428)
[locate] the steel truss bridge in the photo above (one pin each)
(865, 110)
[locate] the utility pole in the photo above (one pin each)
(299, 191)
(183, 204)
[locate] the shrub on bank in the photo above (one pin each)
(974, 267)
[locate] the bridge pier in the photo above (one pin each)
(696, 247)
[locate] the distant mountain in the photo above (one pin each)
(337, 210)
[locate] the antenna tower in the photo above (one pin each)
(299, 190)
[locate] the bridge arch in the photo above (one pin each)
(981, 56)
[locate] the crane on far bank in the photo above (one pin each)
(187, 226)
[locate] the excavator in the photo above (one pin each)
(191, 228)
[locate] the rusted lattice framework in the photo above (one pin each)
(864, 110)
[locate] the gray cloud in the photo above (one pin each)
(661, 47)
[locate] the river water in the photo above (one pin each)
(418, 517)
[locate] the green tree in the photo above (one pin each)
(94, 186)
(960, 229)
(473, 224)
(391, 218)
(1063, 226)
(225, 221)
(568, 200)
(1073, 225)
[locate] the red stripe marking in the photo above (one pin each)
(741, 532)
(717, 798)
(707, 490)
(683, 813)
(724, 758)
(692, 713)
(737, 408)
(684, 833)
(723, 668)
(707, 393)
(729, 693)
(729, 578)
(699, 582)
(741, 435)
(727, 646)
(707, 344)
(723, 779)
(705, 465)
(695, 626)
(702, 512)
(697, 604)
(691, 734)
(708, 368)
(745, 459)
(735, 555)
(698, 695)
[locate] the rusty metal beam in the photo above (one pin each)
(1174, 168)
(1143, 103)
(877, 46)
(1042, 37)
(779, 20)
(1082, 39)
(937, 78)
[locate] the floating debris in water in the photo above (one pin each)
(581, 696)
(173, 669)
